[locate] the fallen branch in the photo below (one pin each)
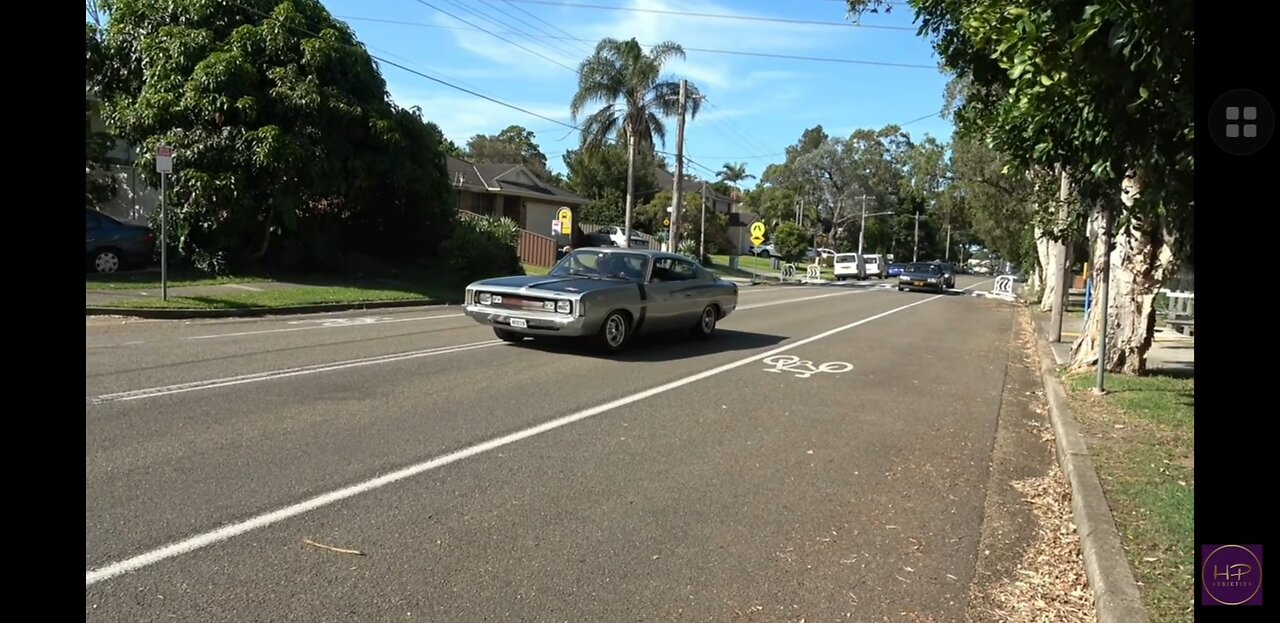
(353, 552)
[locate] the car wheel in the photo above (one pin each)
(508, 336)
(706, 326)
(900, 288)
(614, 332)
(106, 261)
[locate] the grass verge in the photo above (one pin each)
(150, 279)
(290, 297)
(1141, 438)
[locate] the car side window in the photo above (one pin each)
(90, 220)
(683, 270)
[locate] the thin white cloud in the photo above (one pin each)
(462, 116)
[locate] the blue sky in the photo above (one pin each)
(755, 108)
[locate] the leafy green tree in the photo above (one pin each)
(513, 145)
(1101, 90)
(602, 172)
(634, 98)
(791, 241)
(279, 119)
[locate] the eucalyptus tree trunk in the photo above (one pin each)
(1140, 262)
(1044, 264)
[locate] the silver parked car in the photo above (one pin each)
(606, 295)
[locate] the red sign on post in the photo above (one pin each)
(164, 159)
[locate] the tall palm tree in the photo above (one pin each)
(635, 97)
(734, 172)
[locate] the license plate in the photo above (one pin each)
(520, 323)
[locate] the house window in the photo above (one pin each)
(479, 203)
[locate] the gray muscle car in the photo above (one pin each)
(606, 295)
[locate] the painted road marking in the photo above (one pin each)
(242, 287)
(803, 368)
(93, 576)
(335, 323)
(286, 373)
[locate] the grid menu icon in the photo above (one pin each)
(1241, 122)
(1234, 129)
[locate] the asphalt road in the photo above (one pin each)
(485, 481)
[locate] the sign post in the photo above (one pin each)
(164, 166)
(757, 239)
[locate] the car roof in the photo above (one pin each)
(653, 253)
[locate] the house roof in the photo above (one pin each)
(666, 180)
(505, 179)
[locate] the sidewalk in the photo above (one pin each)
(1171, 352)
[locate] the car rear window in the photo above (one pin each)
(847, 258)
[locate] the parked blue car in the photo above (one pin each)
(110, 245)
(895, 270)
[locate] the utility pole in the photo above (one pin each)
(1061, 264)
(862, 226)
(947, 253)
(1107, 237)
(675, 186)
(702, 231)
(915, 248)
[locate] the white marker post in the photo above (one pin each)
(164, 166)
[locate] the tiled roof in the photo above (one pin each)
(504, 179)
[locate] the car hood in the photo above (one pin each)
(916, 275)
(568, 285)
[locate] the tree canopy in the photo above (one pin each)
(280, 122)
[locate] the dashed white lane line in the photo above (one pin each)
(179, 388)
(93, 576)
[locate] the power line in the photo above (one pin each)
(794, 57)
(751, 18)
(543, 56)
(534, 16)
(555, 46)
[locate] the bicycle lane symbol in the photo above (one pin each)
(803, 368)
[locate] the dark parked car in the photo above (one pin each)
(922, 276)
(110, 245)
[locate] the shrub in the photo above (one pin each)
(482, 248)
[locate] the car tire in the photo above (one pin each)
(507, 335)
(900, 288)
(107, 261)
(614, 332)
(706, 326)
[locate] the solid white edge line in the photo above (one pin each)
(208, 538)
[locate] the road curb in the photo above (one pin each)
(250, 312)
(1115, 591)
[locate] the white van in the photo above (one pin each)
(874, 267)
(849, 266)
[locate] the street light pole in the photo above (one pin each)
(915, 247)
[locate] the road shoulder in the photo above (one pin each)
(1029, 566)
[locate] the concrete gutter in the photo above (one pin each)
(250, 312)
(1115, 591)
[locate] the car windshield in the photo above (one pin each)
(599, 264)
(922, 268)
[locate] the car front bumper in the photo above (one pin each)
(539, 323)
(911, 284)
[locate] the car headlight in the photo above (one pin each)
(486, 298)
(564, 307)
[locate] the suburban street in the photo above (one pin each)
(477, 480)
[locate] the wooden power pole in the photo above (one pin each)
(676, 185)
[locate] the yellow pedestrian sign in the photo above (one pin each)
(565, 216)
(757, 233)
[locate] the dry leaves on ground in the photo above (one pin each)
(1050, 585)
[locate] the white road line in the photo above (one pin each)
(242, 287)
(179, 548)
(333, 326)
(280, 374)
(803, 298)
